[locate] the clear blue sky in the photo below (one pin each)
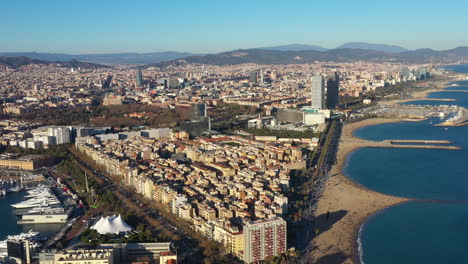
(108, 26)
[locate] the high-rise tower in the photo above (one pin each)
(333, 88)
(318, 92)
(139, 78)
(253, 77)
(264, 238)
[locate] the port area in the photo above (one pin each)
(414, 144)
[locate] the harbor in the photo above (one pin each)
(35, 213)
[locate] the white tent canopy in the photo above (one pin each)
(111, 225)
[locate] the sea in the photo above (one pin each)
(434, 227)
(8, 218)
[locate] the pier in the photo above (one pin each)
(417, 144)
(462, 91)
(433, 99)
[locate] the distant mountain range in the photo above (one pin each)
(350, 45)
(261, 56)
(371, 46)
(295, 47)
(112, 58)
(15, 62)
(155, 57)
(286, 54)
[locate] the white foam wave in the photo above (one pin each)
(361, 258)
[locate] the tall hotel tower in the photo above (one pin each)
(318, 92)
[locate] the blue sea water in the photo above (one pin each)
(417, 232)
(457, 68)
(461, 97)
(433, 230)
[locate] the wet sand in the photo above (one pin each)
(347, 204)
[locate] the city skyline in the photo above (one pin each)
(112, 27)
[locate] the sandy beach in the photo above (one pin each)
(347, 204)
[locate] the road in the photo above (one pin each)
(187, 245)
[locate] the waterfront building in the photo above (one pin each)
(421, 73)
(78, 256)
(58, 217)
(333, 88)
(318, 92)
(28, 162)
(264, 238)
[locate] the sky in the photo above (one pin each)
(210, 26)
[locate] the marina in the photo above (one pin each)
(35, 239)
(34, 212)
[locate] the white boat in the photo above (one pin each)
(45, 210)
(29, 235)
(3, 244)
(48, 194)
(35, 203)
(33, 237)
(15, 189)
(41, 189)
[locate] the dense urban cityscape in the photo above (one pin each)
(273, 155)
(224, 168)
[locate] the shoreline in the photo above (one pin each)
(351, 202)
(422, 95)
(340, 243)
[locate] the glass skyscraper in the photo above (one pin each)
(333, 88)
(318, 92)
(139, 78)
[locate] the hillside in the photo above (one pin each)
(295, 47)
(372, 46)
(307, 56)
(16, 62)
(111, 58)
(278, 57)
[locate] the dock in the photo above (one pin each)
(45, 218)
